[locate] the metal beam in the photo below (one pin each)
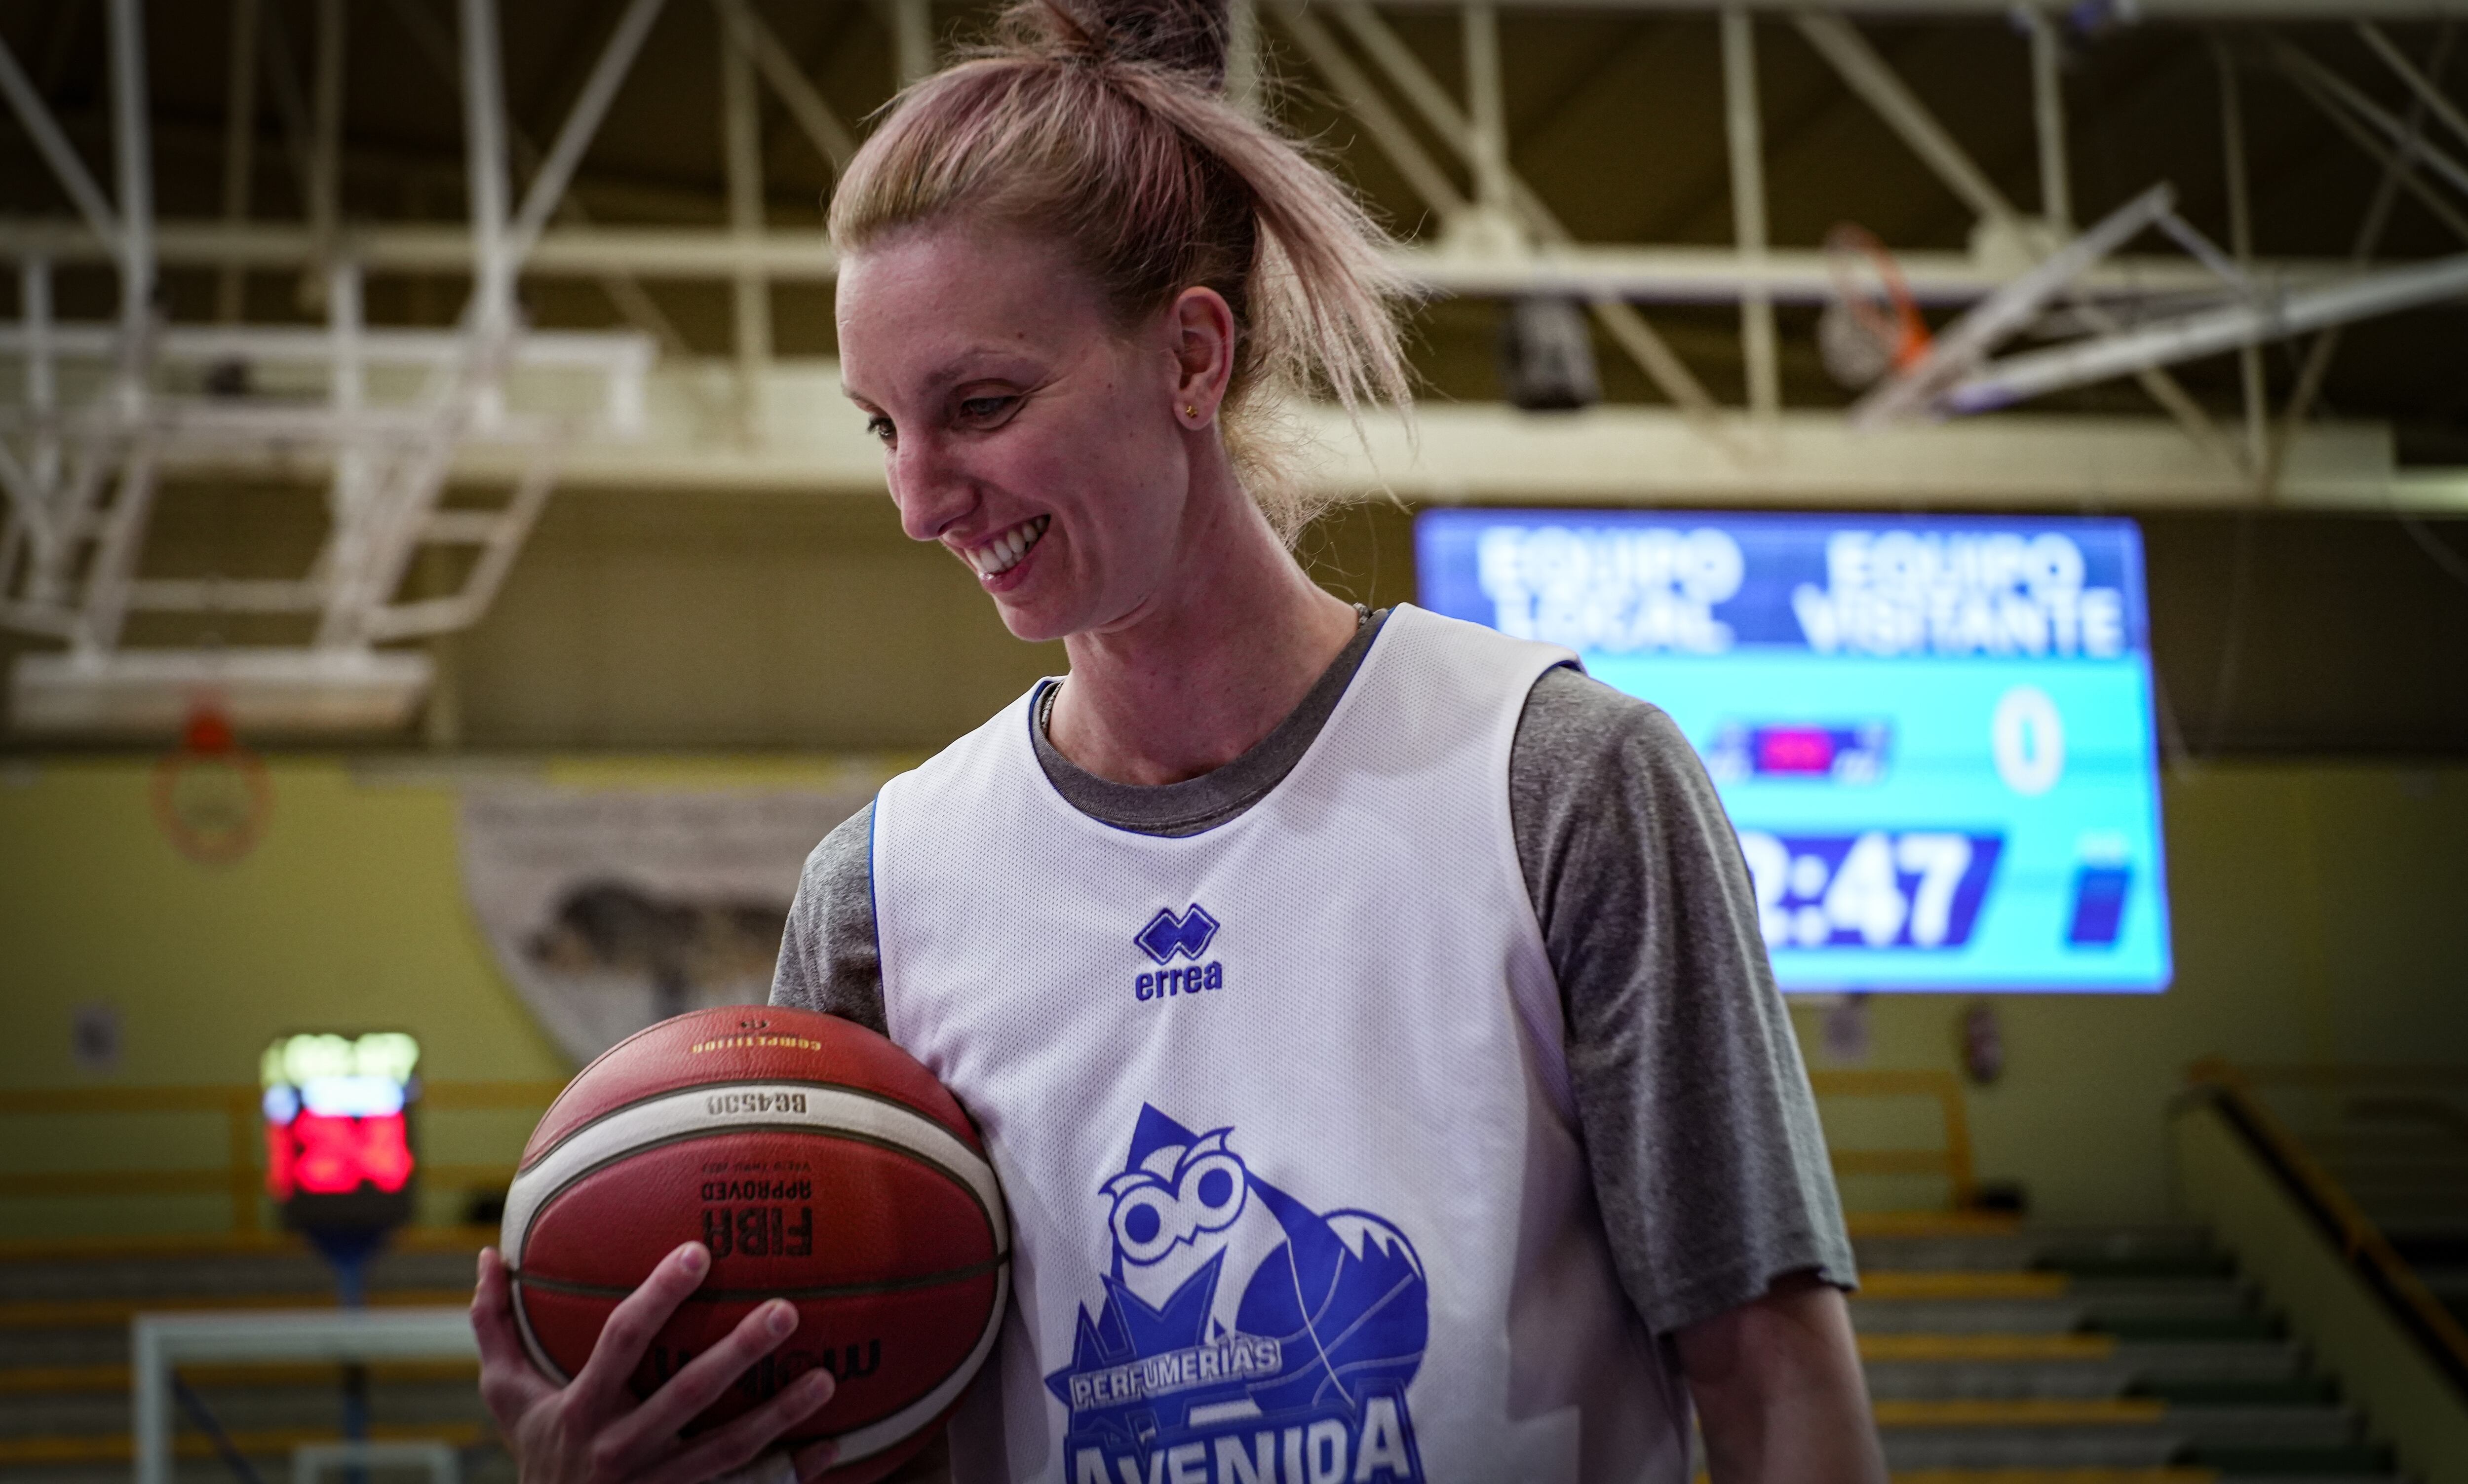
(1964, 344)
(2399, 169)
(1868, 74)
(54, 147)
(240, 146)
(325, 143)
(115, 558)
(290, 102)
(1860, 66)
(508, 527)
(484, 137)
(2385, 122)
(912, 38)
(1647, 274)
(2428, 95)
(41, 388)
(136, 161)
(2402, 160)
(1653, 355)
(1486, 130)
(1744, 128)
(1364, 101)
(1488, 452)
(581, 121)
(741, 137)
(2048, 119)
(831, 137)
(628, 297)
(2250, 382)
(2186, 337)
(2001, 11)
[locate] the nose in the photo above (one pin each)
(931, 493)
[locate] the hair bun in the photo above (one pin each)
(1187, 36)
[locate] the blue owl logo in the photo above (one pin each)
(1238, 1320)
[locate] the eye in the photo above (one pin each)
(879, 426)
(986, 409)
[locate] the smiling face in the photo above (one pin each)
(1024, 429)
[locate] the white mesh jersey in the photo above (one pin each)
(1281, 1110)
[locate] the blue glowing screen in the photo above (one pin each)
(1933, 735)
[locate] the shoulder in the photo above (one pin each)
(987, 756)
(842, 865)
(1577, 734)
(1476, 647)
(829, 957)
(1609, 806)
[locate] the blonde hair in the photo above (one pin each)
(1103, 123)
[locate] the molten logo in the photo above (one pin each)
(1168, 934)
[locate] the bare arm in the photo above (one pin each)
(593, 1430)
(1779, 1393)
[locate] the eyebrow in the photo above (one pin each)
(951, 372)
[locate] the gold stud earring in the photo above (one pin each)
(1189, 411)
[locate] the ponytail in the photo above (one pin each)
(1103, 122)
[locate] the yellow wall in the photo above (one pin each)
(2318, 915)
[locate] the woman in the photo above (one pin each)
(1366, 1012)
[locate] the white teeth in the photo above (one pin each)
(1004, 551)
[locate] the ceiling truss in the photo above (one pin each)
(95, 415)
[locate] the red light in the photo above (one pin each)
(324, 1155)
(1794, 750)
(277, 1161)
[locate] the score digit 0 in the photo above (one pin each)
(2027, 738)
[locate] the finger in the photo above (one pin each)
(701, 1381)
(814, 1460)
(734, 1445)
(601, 1385)
(493, 1312)
(509, 1382)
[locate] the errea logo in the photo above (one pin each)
(1170, 935)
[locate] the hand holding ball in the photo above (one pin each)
(820, 1167)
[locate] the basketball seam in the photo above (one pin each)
(867, 1093)
(948, 1275)
(866, 1438)
(540, 1208)
(978, 1356)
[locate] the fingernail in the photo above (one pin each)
(696, 1257)
(781, 1319)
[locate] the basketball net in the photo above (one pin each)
(1870, 325)
(211, 795)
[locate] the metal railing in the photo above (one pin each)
(1951, 1158)
(2362, 1243)
(239, 1176)
(240, 1173)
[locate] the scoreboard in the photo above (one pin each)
(1933, 735)
(337, 1129)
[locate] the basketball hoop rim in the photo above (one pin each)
(223, 747)
(1903, 332)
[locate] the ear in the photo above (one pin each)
(1202, 327)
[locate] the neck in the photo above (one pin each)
(1205, 670)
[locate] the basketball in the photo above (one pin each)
(821, 1164)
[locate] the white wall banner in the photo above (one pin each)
(610, 910)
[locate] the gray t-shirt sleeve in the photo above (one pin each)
(1708, 1158)
(829, 959)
